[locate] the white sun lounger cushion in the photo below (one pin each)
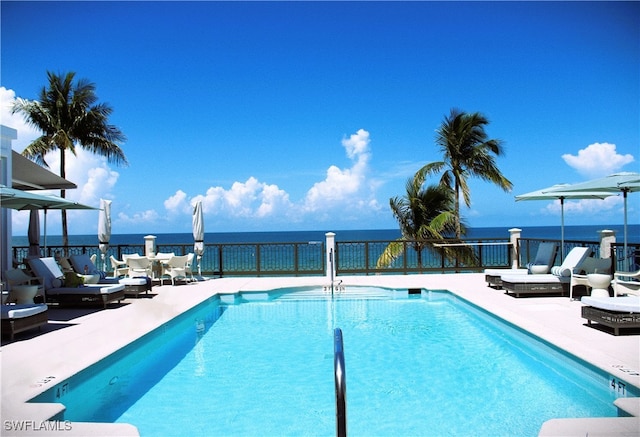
(134, 281)
(21, 311)
(87, 289)
(501, 272)
(535, 279)
(624, 304)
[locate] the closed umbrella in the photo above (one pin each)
(24, 200)
(104, 229)
(198, 233)
(616, 183)
(557, 192)
(33, 233)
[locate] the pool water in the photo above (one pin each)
(420, 365)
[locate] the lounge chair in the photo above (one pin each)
(588, 266)
(558, 281)
(19, 318)
(614, 312)
(83, 265)
(176, 267)
(56, 292)
(545, 256)
(626, 283)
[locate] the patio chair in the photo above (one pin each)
(544, 259)
(558, 281)
(626, 283)
(588, 266)
(176, 267)
(119, 267)
(57, 292)
(18, 318)
(84, 265)
(613, 312)
(189, 266)
(139, 266)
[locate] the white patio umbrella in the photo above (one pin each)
(198, 233)
(616, 183)
(24, 200)
(33, 233)
(104, 230)
(557, 192)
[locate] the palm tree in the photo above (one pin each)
(424, 215)
(68, 116)
(467, 152)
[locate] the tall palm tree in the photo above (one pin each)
(467, 152)
(68, 116)
(424, 215)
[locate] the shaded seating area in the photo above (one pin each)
(556, 282)
(18, 318)
(57, 291)
(622, 312)
(542, 263)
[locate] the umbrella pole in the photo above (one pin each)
(45, 232)
(562, 229)
(626, 256)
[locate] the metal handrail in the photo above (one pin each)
(340, 383)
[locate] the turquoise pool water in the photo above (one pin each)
(415, 365)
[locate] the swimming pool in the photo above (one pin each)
(424, 364)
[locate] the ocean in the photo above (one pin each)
(580, 233)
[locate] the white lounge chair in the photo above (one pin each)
(558, 281)
(545, 256)
(614, 312)
(56, 291)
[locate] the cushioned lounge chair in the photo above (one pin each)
(614, 312)
(19, 318)
(558, 281)
(56, 292)
(83, 265)
(545, 257)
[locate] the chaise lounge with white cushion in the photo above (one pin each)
(56, 292)
(542, 263)
(19, 318)
(558, 281)
(614, 312)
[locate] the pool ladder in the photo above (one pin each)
(340, 383)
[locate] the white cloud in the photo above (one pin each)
(26, 134)
(597, 159)
(177, 202)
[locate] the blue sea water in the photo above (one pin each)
(580, 233)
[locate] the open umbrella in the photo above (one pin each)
(104, 229)
(24, 200)
(624, 183)
(557, 192)
(198, 233)
(33, 233)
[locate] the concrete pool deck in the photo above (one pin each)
(76, 338)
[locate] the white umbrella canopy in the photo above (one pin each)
(616, 183)
(198, 233)
(24, 200)
(557, 192)
(104, 229)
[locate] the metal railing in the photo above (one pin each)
(349, 257)
(340, 377)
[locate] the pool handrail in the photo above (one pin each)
(340, 383)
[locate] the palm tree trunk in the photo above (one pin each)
(65, 232)
(457, 210)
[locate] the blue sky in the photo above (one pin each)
(311, 115)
